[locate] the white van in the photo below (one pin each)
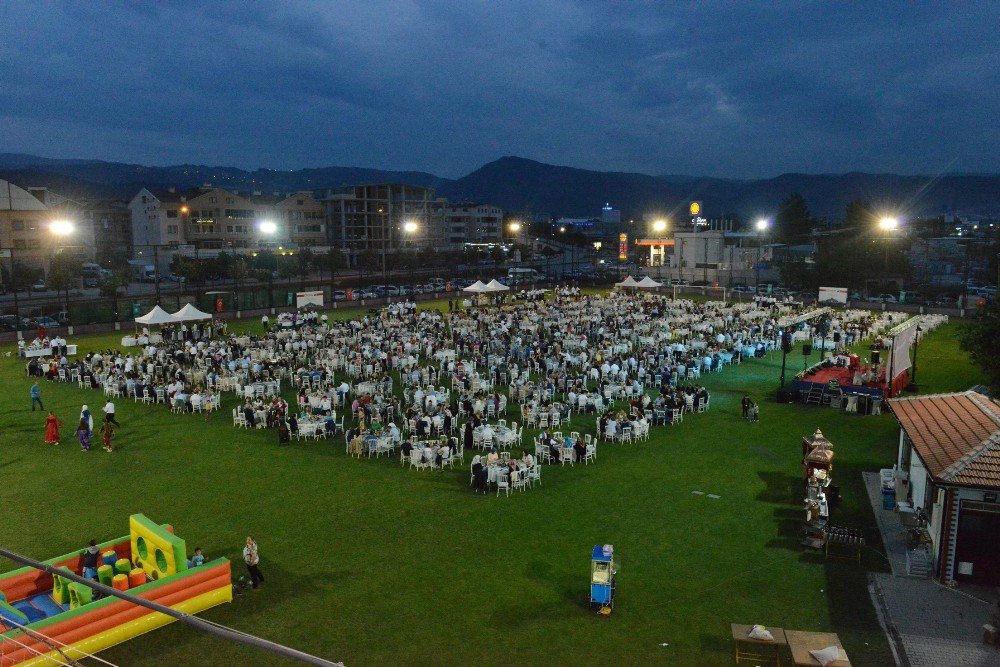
(515, 276)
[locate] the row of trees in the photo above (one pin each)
(265, 265)
(854, 256)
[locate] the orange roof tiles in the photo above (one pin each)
(956, 435)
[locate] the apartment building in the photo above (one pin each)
(301, 219)
(36, 224)
(382, 217)
(215, 218)
(471, 223)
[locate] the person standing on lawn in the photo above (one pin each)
(36, 396)
(52, 426)
(746, 406)
(107, 432)
(83, 434)
(109, 414)
(252, 559)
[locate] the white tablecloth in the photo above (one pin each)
(30, 352)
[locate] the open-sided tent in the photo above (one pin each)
(648, 283)
(477, 287)
(156, 316)
(496, 286)
(189, 312)
(628, 282)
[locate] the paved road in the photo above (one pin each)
(933, 625)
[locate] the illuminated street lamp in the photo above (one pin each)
(62, 227)
(269, 228)
(410, 227)
(762, 226)
(889, 225)
(659, 226)
(514, 227)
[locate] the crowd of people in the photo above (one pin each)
(631, 360)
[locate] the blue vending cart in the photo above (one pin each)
(602, 578)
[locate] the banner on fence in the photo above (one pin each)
(314, 298)
(832, 295)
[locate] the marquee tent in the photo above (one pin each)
(189, 312)
(157, 316)
(477, 287)
(648, 283)
(496, 286)
(628, 282)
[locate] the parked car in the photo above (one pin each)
(39, 322)
(39, 286)
(8, 322)
(90, 281)
(62, 317)
(886, 298)
(173, 277)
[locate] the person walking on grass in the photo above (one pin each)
(36, 396)
(83, 434)
(252, 559)
(746, 406)
(52, 426)
(107, 432)
(109, 414)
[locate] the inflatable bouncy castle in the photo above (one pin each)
(44, 616)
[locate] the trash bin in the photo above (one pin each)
(889, 499)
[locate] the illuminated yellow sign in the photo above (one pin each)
(695, 208)
(622, 246)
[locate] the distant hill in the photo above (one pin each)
(525, 185)
(522, 185)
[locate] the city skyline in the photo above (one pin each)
(716, 89)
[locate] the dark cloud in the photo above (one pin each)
(719, 88)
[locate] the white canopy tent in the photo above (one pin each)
(648, 283)
(477, 287)
(628, 282)
(189, 312)
(157, 316)
(496, 286)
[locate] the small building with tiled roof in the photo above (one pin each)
(949, 457)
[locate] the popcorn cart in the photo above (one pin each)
(602, 578)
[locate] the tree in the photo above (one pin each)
(304, 262)
(64, 272)
(21, 275)
(793, 222)
(981, 339)
(332, 260)
(239, 271)
(109, 288)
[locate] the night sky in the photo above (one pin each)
(736, 89)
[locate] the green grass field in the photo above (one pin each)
(371, 563)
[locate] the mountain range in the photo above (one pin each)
(526, 186)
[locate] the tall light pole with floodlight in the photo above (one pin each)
(761, 226)
(660, 228)
(60, 229)
(268, 228)
(888, 225)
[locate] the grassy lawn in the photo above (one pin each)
(371, 563)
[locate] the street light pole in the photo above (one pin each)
(762, 226)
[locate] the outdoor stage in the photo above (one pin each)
(849, 377)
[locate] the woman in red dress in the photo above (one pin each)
(52, 426)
